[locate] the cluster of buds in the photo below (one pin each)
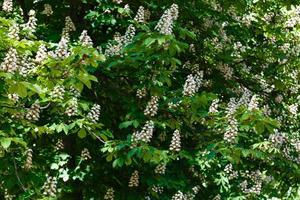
(147, 15)
(85, 154)
(140, 15)
(230, 172)
(134, 179)
(165, 24)
(49, 187)
(47, 10)
(214, 106)
(41, 54)
(231, 131)
(32, 22)
(192, 84)
(140, 93)
(58, 92)
(145, 134)
(10, 63)
(152, 107)
(179, 196)
(69, 27)
(14, 31)
(110, 194)
(85, 39)
(28, 162)
(33, 113)
(157, 189)
(160, 169)
(7, 5)
(94, 113)
(175, 142)
(72, 108)
(13, 97)
(59, 145)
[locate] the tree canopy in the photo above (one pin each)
(123, 99)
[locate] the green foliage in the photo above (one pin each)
(203, 105)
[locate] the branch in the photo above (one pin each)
(17, 174)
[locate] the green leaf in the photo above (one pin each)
(82, 133)
(5, 142)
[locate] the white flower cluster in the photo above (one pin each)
(292, 16)
(293, 109)
(226, 71)
(140, 93)
(140, 15)
(47, 10)
(160, 169)
(152, 107)
(85, 39)
(10, 63)
(13, 97)
(175, 142)
(72, 108)
(85, 154)
(41, 54)
(28, 162)
(62, 50)
(49, 186)
(59, 145)
(58, 92)
(145, 134)
(179, 196)
(32, 22)
(214, 106)
(134, 179)
(26, 66)
(7, 5)
(253, 105)
(33, 113)
(119, 42)
(8, 196)
(232, 130)
(110, 194)
(172, 105)
(256, 180)
(230, 172)
(277, 139)
(192, 84)
(75, 92)
(94, 113)
(157, 189)
(165, 24)
(117, 1)
(13, 32)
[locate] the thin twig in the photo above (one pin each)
(100, 139)
(17, 174)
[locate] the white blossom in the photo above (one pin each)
(85, 39)
(165, 24)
